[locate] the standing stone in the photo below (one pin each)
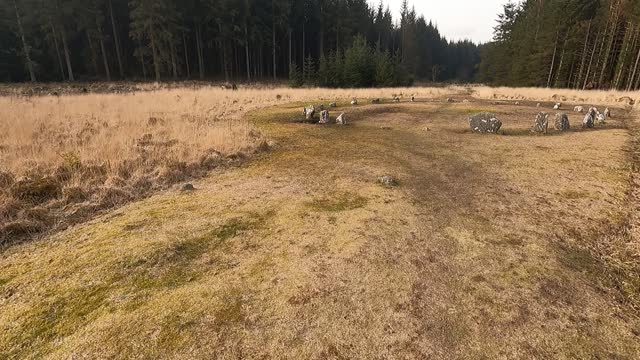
(332, 105)
(541, 124)
(375, 101)
(607, 113)
(557, 106)
(354, 101)
(538, 105)
(324, 117)
(342, 119)
(450, 100)
(484, 123)
(562, 122)
(413, 98)
(320, 107)
(396, 99)
(309, 111)
(588, 120)
(517, 103)
(601, 118)
(578, 109)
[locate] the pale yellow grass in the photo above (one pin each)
(37, 131)
(592, 97)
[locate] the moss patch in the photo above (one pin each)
(338, 202)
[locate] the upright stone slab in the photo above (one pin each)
(354, 102)
(485, 123)
(588, 121)
(342, 119)
(309, 111)
(562, 122)
(324, 117)
(600, 118)
(557, 106)
(541, 124)
(607, 113)
(578, 109)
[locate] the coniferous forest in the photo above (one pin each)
(582, 44)
(314, 42)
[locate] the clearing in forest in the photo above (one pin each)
(489, 246)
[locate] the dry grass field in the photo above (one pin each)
(65, 158)
(512, 245)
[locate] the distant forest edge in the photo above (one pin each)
(334, 43)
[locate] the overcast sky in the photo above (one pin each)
(456, 19)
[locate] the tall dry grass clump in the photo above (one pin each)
(63, 158)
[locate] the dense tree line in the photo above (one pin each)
(57, 40)
(581, 44)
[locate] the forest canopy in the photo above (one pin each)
(234, 40)
(581, 44)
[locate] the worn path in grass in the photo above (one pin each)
(300, 254)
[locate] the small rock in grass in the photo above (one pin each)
(541, 124)
(396, 99)
(562, 122)
(332, 105)
(578, 109)
(388, 180)
(557, 106)
(485, 123)
(607, 113)
(342, 119)
(601, 118)
(413, 98)
(375, 101)
(354, 101)
(188, 187)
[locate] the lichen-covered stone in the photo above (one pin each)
(342, 119)
(324, 117)
(308, 112)
(578, 109)
(484, 123)
(588, 121)
(354, 102)
(562, 122)
(607, 113)
(541, 124)
(557, 106)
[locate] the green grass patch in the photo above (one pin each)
(339, 202)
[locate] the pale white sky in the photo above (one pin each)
(456, 19)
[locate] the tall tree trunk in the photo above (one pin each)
(174, 61)
(304, 53)
(200, 51)
(55, 43)
(614, 27)
(25, 47)
(593, 53)
(224, 54)
(246, 49)
(116, 40)
(154, 53)
(553, 59)
(629, 40)
(67, 57)
(635, 69)
(94, 56)
(290, 48)
(104, 58)
(564, 46)
(273, 43)
(186, 54)
(584, 55)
